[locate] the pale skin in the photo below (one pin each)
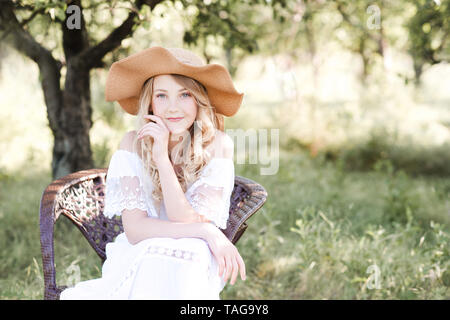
(172, 100)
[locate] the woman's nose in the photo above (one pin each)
(173, 106)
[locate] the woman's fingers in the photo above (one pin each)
(230, 262)
(153, 126)
(150, 125)
(221, 266)
(157, 119)
(235, 270)
(229, 267)
(147, 131)
(241, 264)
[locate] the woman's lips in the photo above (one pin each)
(174, 119)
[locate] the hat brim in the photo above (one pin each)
(127, 76)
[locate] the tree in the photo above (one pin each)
(69, 107)
(429, 30)
(236, 24)
(366, 36)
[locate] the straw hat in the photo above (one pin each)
(126, 78)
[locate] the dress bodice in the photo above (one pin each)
(128, 186)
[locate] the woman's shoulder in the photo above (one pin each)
(124, 161)
(127, 142)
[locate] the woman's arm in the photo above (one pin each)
(177, 206)
(138, 226)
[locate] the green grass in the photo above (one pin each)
(323, 228)
(315, 238)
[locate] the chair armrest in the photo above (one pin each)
(49, 212)
(47, 218)
(247, 207)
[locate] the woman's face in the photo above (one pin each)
(170, 100)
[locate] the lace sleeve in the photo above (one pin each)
(210, 195)
(124, 188)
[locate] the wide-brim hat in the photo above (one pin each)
(126, 78)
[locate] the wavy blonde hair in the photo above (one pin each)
(190, 152)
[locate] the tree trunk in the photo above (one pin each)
(365, 61)
(312, 48)
(418, 70)
(71, 151)
(69, 111)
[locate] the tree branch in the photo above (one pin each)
(26, 21)
(15, 36)
(74, 40)
(49, 67)
(95, 54)
(347, 18)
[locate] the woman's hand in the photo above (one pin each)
(226, 254)
(160, 134)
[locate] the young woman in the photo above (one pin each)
(170, 181)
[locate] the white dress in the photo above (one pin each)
(159, 268)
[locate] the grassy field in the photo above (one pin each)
(359, 208)
(315, 238)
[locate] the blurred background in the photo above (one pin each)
(360, 91)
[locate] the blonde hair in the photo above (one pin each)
(190, 152)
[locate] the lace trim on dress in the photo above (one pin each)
(158, 251)
(124, 192)
(209, 202)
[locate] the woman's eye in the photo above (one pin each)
(187, 94)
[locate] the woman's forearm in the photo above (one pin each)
(138, 226)
(177, 206)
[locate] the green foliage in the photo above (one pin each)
(102, 154)
(412, 158)
(428, 31)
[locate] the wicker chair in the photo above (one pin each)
(79, 197)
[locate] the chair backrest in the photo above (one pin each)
(80, 197)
